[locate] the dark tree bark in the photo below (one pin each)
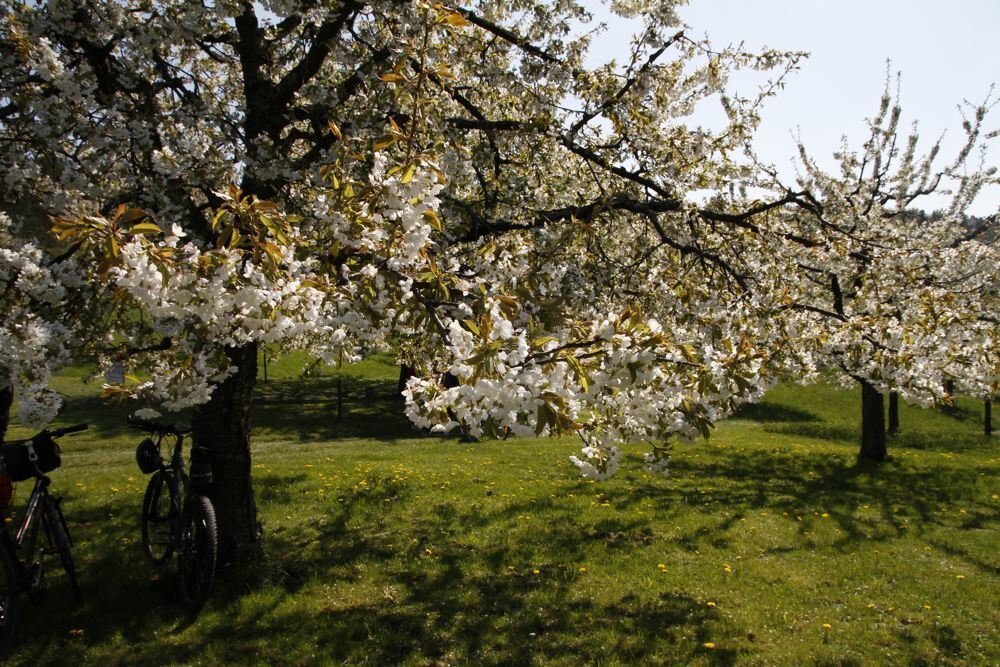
(873, 446)
(987, 417)
(405, 373)
(6, 400)
(893, 413)
(949, 389)
(223, 426)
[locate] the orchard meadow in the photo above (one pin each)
(665, 362)
(386, 545)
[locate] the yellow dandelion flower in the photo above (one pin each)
(710, 603)
(536, 571)
(727, 569)
(709, 645)
(927, 606)
(583, 569)
(960, 576)
(827, 626)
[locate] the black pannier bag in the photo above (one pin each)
(15, 457)
(201, 467)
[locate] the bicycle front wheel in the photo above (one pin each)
(160, 516)
(61, 543)
(196, 558)
(9, 590)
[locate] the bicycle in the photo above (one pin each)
(176, 516)
(22, 460)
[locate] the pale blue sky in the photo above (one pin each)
(946, 52)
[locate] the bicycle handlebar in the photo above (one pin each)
(56, 433)
(157, 427)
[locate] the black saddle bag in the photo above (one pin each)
(15, 457)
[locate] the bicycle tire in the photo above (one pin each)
(9, 595)
(198, 551)
(160, 516)
(61, 541)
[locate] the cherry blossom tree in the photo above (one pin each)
(900, 301)
(453, 182)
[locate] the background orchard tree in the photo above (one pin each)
(346, 176)
(899, 301)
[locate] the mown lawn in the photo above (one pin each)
(765, 545)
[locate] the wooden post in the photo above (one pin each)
(988, 416)
(893, 413)
(340, 398)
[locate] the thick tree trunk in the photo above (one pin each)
(405, 373)
(893, 413)
(872, 424)
(6, 400)
(223, 425)
(988, 417)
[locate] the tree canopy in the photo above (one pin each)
(456, 184)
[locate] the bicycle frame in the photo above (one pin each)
(32, 516)
(23, 543)
(177, 462)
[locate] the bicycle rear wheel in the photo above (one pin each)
(160, 516)
(61, 542)
(196, 558)
(9, 590)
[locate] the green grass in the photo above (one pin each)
(387, 546)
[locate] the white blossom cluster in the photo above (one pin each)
(207, 300)
(34, 342)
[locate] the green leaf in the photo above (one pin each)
(130, 215)
(146, 228)
(431, 216)
(408, 174)
(544, 418)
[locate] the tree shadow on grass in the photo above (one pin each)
(866, 502)
(447, 598)
(968, 557)
(766, 412)
(303, 408)
(955, 441)
(440, 599)
(309, 410)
